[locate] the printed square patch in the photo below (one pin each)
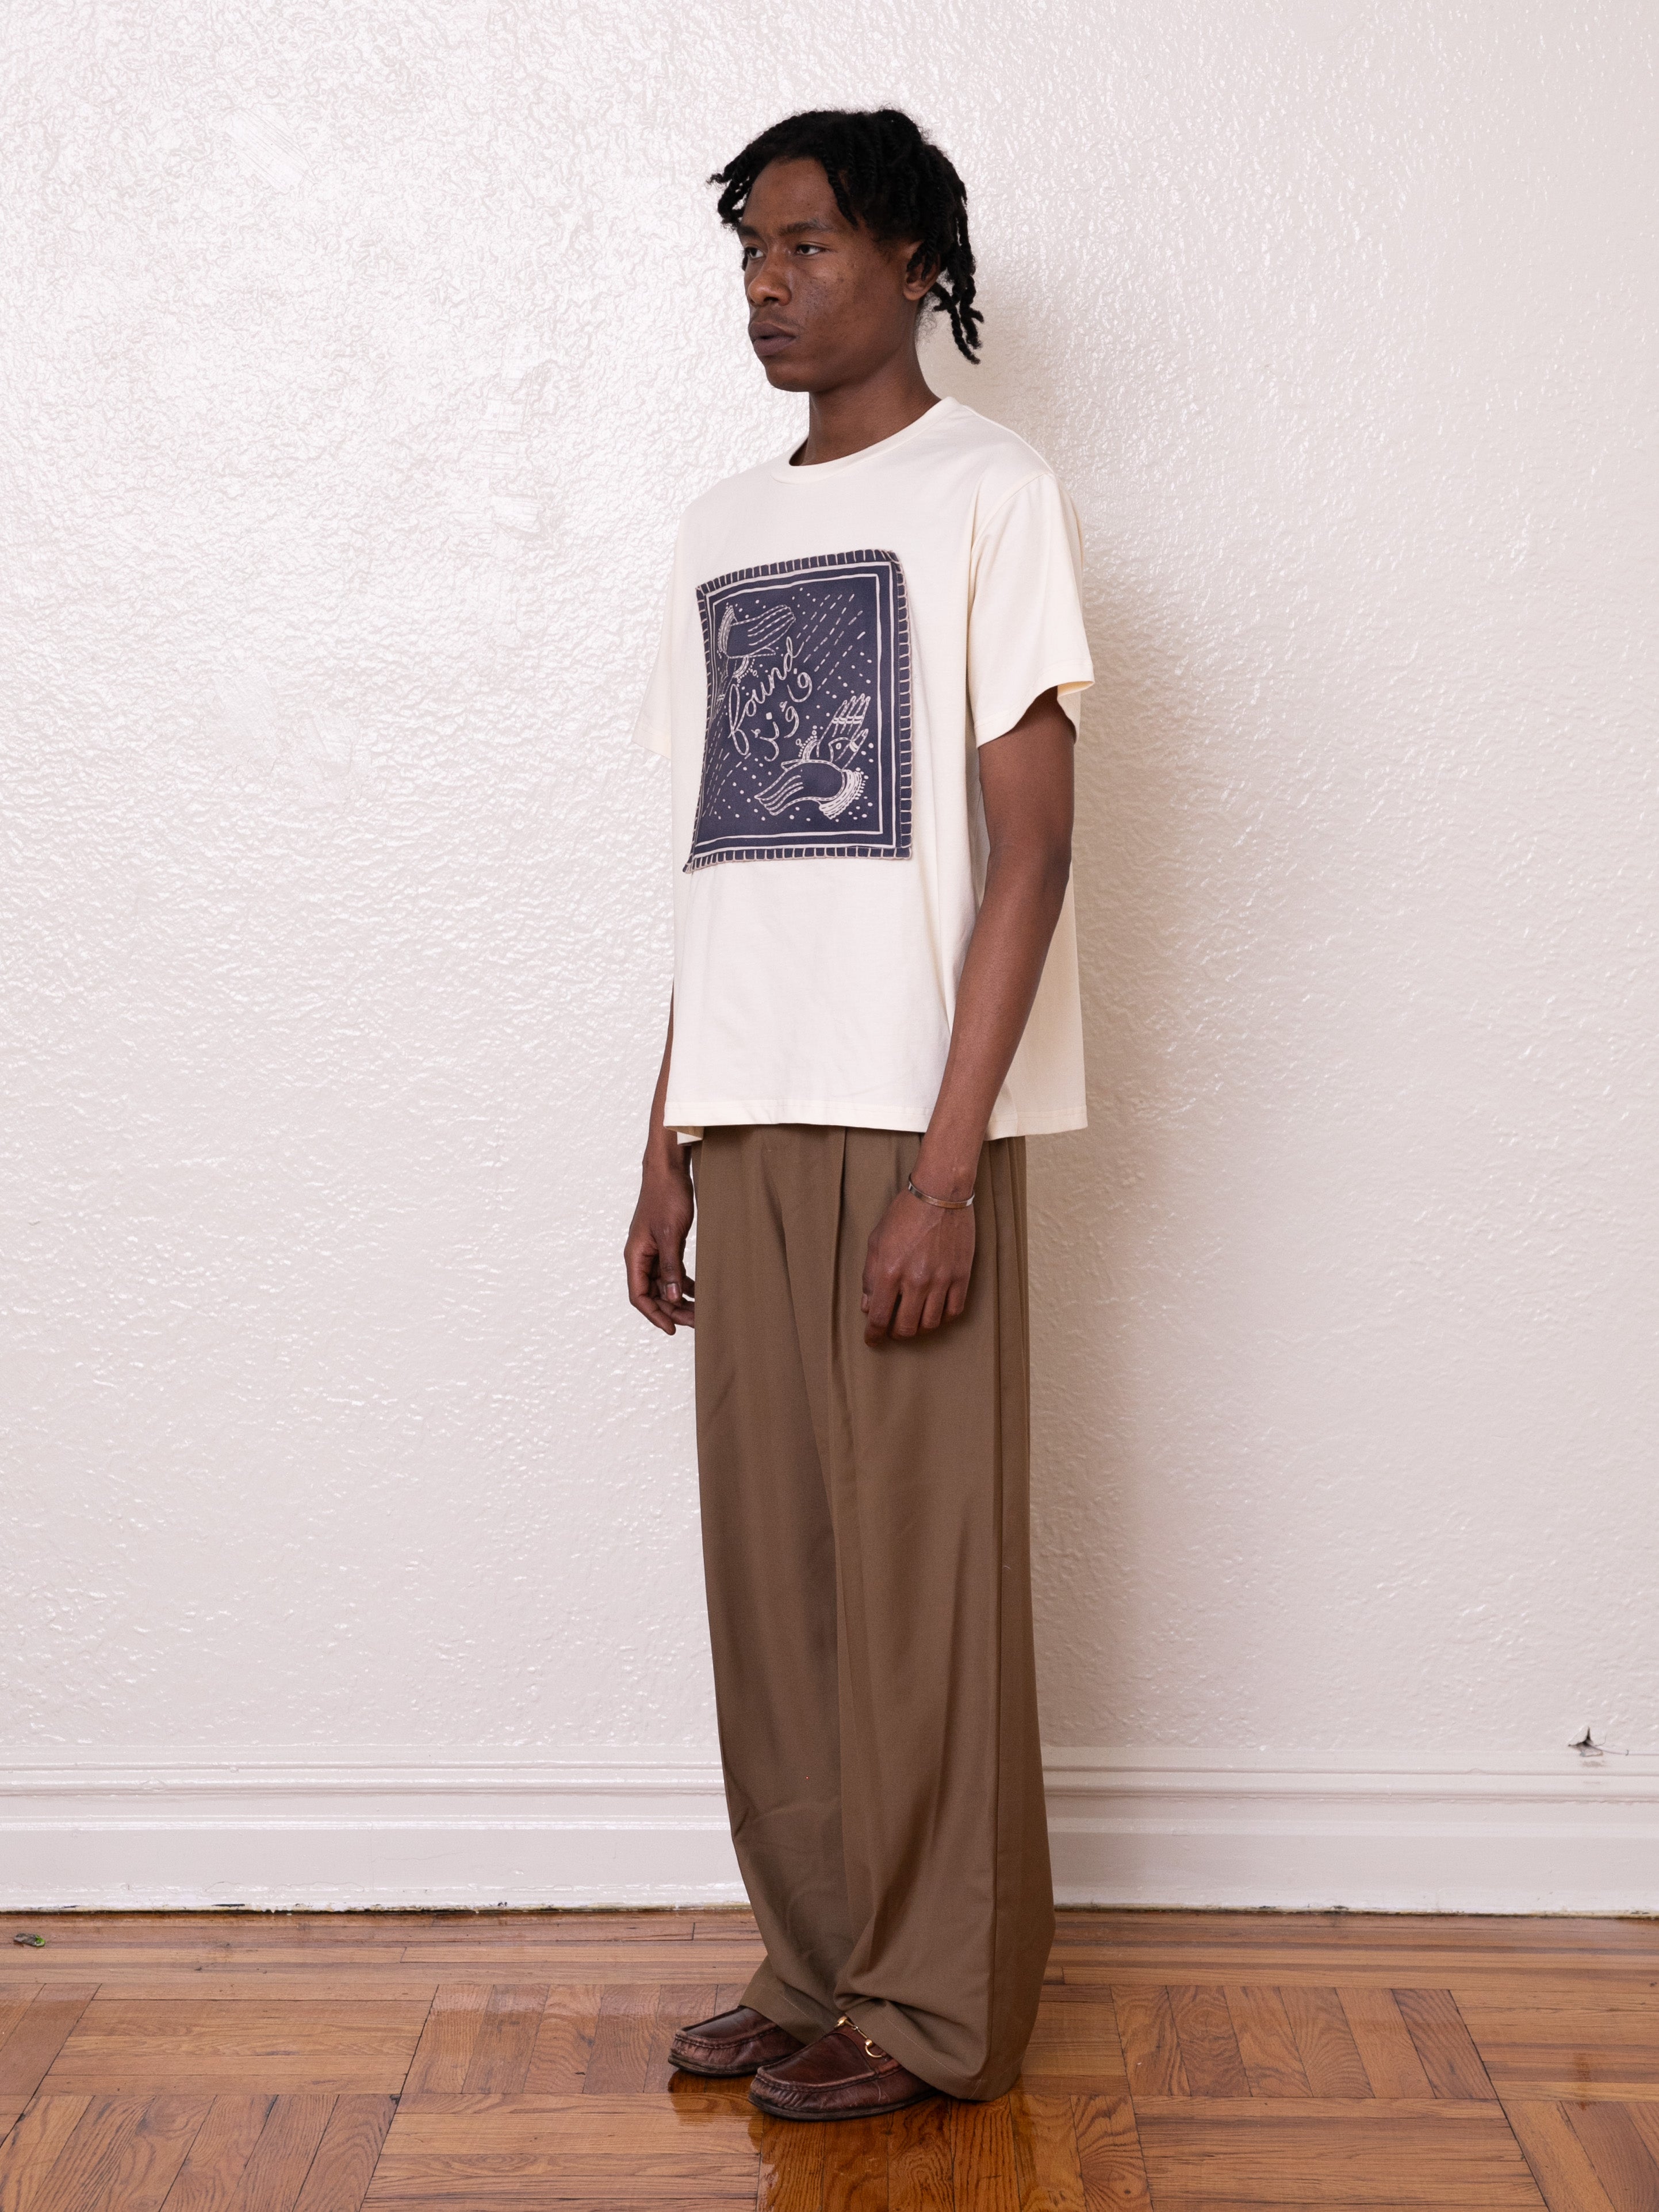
(807, 750)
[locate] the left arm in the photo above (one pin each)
(919, 1257)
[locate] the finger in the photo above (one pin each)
(908, 1318)
(670, 1266)
(645, 1289)
(675, 1286)
(656, 1315)
(673, 1292)
(668, 1318)
(878, 1307)
(932, 1309)
(957, 1304)
(640, 1260)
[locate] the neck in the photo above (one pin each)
(851, 416)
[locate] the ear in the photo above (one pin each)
(920, 270)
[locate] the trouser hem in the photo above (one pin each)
(888, 2026)
(790, 2009)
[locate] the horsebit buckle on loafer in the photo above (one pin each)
(873, 2050)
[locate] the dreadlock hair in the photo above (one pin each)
(887, 178)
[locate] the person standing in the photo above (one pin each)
(867, 686)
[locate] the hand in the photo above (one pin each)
(654, 1255)
(916, 1268)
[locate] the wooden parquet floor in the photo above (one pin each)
(494, 2063)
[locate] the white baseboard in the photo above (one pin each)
(1364, 1832)
(330, 1831)
(191, 1829)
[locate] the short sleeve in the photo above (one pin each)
(1025, 631)
(654, 725)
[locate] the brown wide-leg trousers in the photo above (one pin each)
(865, 1527)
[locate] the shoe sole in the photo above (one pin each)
(870, 2112)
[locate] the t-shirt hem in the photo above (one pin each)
(689, 1118)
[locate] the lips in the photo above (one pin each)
(769, 338)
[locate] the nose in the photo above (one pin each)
(765, 281)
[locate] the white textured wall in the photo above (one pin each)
(359, 358)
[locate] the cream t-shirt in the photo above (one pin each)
(838, 640)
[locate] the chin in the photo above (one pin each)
(784, 373)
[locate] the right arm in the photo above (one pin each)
(654, 1255)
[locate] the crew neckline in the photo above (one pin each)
(789, 473)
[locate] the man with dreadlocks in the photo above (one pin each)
(867, 687)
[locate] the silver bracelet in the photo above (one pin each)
(945, 1205)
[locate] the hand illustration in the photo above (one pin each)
(826, 782)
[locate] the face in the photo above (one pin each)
(828, 304)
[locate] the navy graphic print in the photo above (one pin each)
(807, 750)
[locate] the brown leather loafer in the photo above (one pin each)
(732, 2043)
(842, 2076)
